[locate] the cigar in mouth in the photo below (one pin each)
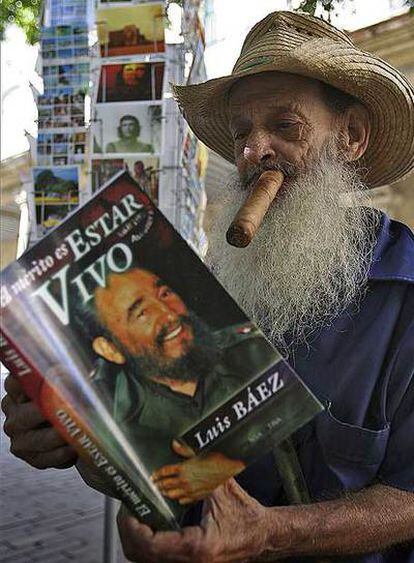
(250, 215)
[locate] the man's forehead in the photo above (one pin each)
(281, 87)
(137, 277)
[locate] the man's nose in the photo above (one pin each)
(258, 148)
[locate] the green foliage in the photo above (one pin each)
(24, 13)
(329, 6)
(309, 6)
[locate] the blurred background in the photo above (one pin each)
(84, 94)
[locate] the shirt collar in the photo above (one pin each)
(394, 252)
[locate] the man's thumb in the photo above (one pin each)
(182, 449)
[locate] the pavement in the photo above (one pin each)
(49, 516)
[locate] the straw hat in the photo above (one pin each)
(305, 45)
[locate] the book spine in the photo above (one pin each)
(74, 431)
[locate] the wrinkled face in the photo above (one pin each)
(129, 129)
(144, 315)
(278, 118)
(132, 74)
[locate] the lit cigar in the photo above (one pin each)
(251, 213)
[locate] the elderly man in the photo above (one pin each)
(329, 280)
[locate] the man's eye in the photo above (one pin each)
(237, 135)
(166, 292)
(141, 314)
(285, 124)
(291, 130)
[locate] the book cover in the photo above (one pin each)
(139, 357)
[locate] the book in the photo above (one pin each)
(140, 359)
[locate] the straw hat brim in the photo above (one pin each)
(385, 92)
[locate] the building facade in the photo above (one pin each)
(393, 41)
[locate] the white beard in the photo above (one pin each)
(310, 257)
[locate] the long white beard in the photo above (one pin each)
(309, 259)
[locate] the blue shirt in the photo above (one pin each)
(362, 368)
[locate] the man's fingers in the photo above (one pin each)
(66, 456)
(188, 546)
(60, 458)
(15, 390)
(26, 416)
(186, 500)
(7, 403)
(175, 494)
(166, 471)
(39, 441)
(141, 544)
(182, 449)
(32, 438)
(135, 537)
(169, 483)
(176, 490)
(132, 525)
(233, 489)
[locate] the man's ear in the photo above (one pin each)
(355, 132)
(105, 348)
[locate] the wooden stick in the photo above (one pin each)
(250, 215)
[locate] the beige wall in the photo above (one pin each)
(393, 41)
(9, 229)
(12, 170)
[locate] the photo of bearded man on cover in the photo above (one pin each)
(163, 370)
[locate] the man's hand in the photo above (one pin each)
(235, 527)
(32, 438)
(232, 529)
(195, 478)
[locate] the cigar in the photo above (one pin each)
(251, 213)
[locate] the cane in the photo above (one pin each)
(294, 484)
